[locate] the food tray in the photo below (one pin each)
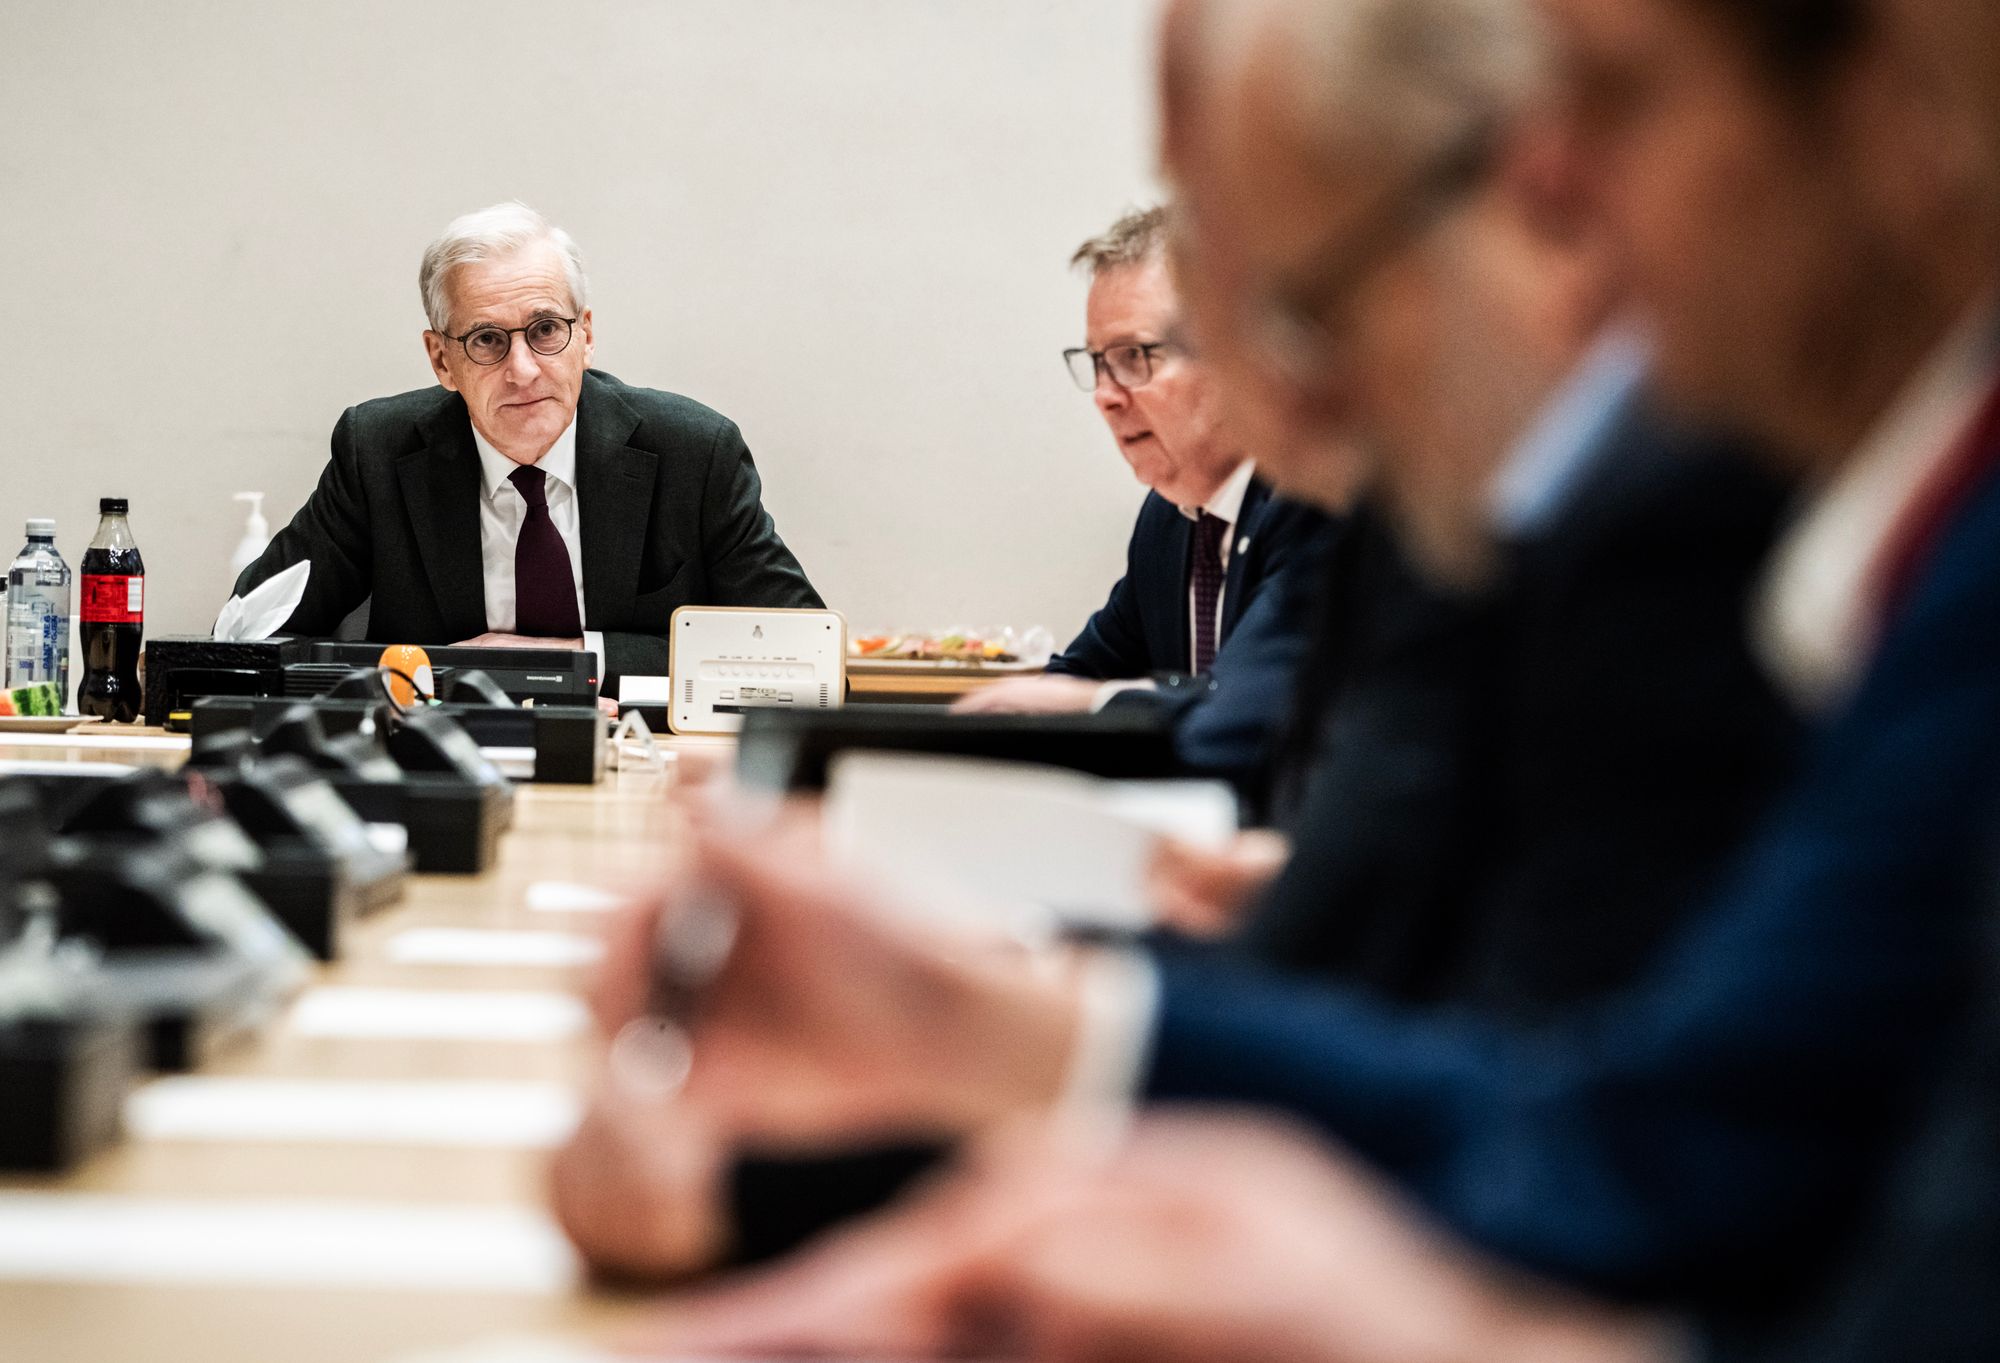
(930, 667)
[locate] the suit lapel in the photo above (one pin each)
(1255, 498)
(614, 490)
(440, 483)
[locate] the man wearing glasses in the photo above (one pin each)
(1211, 543)
(530, 501)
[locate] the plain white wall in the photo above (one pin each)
(844, 223)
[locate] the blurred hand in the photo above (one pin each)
(1202, 1239)
(702, 770)
(492, 640)
(1043, 695)
(1204, 893)
(834, 1020)
(639, 1186)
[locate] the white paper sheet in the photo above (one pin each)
(561, 896)
(84, 1237)
(22, 767)
(637, 690)
(481, 946)
(1015, 833)
(109, 737)
(438, 1015)
(453, 1113)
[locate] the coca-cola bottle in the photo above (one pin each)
(113, 617)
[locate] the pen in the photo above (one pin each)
(654, 1052)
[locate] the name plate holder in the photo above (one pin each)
(727, 660)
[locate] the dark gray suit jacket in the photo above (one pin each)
(669, 505)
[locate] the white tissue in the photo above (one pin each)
(264, 612)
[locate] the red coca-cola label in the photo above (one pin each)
(109, 600)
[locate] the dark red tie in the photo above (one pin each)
(544, 585)
(1209, 533)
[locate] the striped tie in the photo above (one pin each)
(1209, 533)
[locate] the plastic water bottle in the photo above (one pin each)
(38, 612)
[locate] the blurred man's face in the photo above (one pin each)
(1960, 39)
(1170, 429)
(1347, 313)
(1736, 209)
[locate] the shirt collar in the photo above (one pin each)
(1545, 464)
(1227, 503)
(1815, 626)
(495, 468)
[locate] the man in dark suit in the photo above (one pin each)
(1718, 1125)
(1740, 1085)
(1493, 767)
(1706, 1137)
(1573, 721)
(529, 500)
(1200, 622)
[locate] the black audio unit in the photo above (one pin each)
(546, 676)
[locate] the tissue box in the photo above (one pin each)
(180, 668)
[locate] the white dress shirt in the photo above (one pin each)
(1566, 440)
(503, 510)
(1817, 617)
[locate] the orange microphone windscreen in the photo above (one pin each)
(414, 664)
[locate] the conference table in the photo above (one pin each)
(364, 1180)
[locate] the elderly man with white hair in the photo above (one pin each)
(529, 500)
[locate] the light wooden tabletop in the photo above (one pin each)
(611, 835)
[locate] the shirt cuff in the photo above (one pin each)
(593, 642)
(1112, 688)
(1118, 994)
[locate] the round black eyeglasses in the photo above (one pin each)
(544, 335)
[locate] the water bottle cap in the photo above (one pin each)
(111, 506)
(41, 525)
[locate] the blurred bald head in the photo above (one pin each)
(1358, 86)
(1366, 256)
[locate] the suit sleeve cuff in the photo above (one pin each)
(593, 642)
(1119, 998)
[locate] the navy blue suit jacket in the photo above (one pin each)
(1924, 1282)
(1223, 722)
(1491, 769)
(1142, 629)
(1707, 1135)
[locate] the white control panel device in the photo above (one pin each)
(727, 659)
